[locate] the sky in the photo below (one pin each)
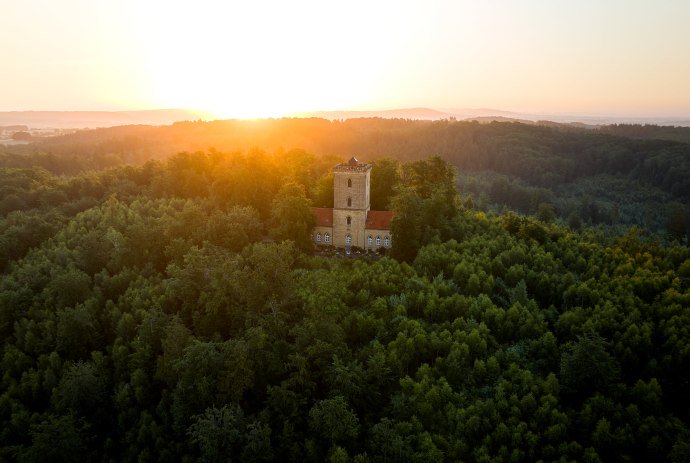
(271, 58)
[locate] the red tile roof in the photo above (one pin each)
(324, 216)
(379, 220)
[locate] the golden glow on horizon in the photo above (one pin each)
(270, 58)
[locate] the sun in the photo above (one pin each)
(250, 60)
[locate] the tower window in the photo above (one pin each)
(349, 202)
(349, 183)
(349, 220)
(348, 239)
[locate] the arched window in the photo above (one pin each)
(348, 239)
(327, 238)
(386, 241)
(318, 237)
(378, 241)
(349, 220)
(349, 202)
(349, 183)
(370, 240)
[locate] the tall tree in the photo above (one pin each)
(406, 227)
(429, 175)
(385, 177)
(323, 194)
(292, 217)
(678, 222)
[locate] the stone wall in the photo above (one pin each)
(356, 228)
(374, 233)
(359, 192)
(323, 231)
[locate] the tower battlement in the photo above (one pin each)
(353, 165)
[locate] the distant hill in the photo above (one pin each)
(97, 119)
(94, 119)
(479, 114)
(649, 132)
(406, 113)
(498, 115)
(13, 128)
(489, 119)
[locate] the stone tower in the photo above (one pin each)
(351, 181)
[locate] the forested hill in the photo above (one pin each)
(583, 177)
(544, 156)
(648, 132)
(175, 311)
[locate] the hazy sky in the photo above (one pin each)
(261, 58)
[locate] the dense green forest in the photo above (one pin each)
(613, 177)
(173, 310)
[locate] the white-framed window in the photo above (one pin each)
(327, 237)
(370, 240)
(318, 237)
(348, 239)
(349, 183)
(386, 241)
(378, 241)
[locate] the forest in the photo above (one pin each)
(612, 177)
(161, 301)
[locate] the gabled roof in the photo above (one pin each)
(324, 216)
(379, 220)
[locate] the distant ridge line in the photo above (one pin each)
(93, 119)
(96, 119)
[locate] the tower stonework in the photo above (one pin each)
(351, 202)
(350, 223)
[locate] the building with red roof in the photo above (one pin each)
(351, 222)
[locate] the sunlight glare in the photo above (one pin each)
(221, 61)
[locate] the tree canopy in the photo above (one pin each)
(145, 315)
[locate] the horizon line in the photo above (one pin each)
(302, 113)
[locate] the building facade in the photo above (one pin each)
(351, 222)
